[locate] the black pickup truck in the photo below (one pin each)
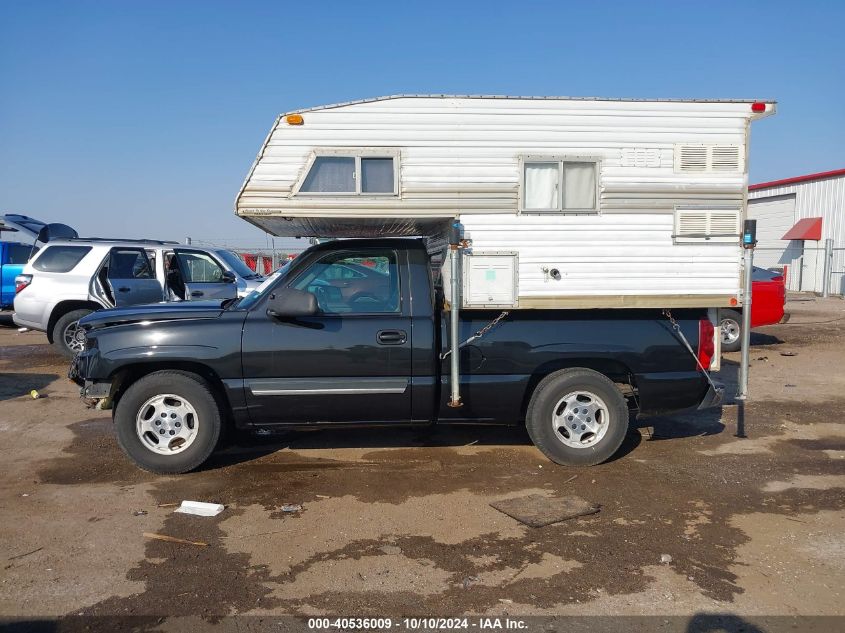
(354, 332)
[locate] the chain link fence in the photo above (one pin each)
(262, 260)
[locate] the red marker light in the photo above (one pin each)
(757, 106)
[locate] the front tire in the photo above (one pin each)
(577, 417)
(168, 422)
(730, 327)
(68, 339)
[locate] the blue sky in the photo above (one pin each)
(140, 119)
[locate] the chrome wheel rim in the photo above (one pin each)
(74, 337)
(730, 331)
(580, 419)
(167, 424)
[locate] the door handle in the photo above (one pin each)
(392, 337)
(197, 293)
(124, 289)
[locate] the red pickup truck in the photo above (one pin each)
(769, 291)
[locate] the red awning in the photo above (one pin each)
(806, 229)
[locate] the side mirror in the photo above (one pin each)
(289, 303)
(228, 277)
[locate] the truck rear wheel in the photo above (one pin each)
(168, 422)
(577, 417)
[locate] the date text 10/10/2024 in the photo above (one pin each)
(417, 624)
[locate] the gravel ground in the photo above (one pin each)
(397, 522)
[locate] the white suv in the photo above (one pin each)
(69, 279)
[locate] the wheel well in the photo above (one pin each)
(63, 308)
(122, 378)
(617, 372)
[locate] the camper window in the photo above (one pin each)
(555, 186)
(331, 174)
(362, 172)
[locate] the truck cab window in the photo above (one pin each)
(353, 283)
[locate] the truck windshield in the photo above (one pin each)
(237, 265)
(248, 301)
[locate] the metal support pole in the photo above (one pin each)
(454, 316)
(828, 264)
(748, 263)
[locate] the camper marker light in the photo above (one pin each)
(294, 119)
(758, 106)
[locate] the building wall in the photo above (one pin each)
(824, 198)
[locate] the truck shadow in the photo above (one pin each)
(246, 447)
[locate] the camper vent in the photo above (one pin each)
(724, 158)
(640, 157)
(708, 158)
(706, 225)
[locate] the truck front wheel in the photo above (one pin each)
(168, 422)
(577, 417)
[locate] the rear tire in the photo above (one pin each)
(161, 409)
(577, 417)
(65, 331)
(730, 327)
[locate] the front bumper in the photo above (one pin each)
(79, 372)
(713, 397)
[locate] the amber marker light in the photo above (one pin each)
(294, 119)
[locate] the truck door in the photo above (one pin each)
(130, 278)
(349, 363)
(194, 275)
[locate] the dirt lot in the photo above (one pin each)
(398, 522)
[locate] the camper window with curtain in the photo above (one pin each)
(560, 186)
(357, 173)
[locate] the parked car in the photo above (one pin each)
(285, 356)
(13, 258)
(246, 278)
(768, 290)
(70, 278)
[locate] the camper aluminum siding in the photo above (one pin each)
(464, 157)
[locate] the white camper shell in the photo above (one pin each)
(567, 202)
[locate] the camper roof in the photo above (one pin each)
(533, 98)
